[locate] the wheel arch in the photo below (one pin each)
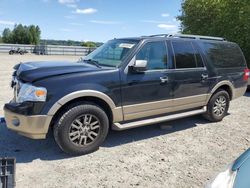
(104, 101)
(225, 85)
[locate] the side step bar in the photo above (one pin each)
(140, 123)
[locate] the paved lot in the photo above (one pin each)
(186, 155)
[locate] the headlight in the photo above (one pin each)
(31, 93)
(224, 179)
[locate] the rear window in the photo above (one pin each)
(224, 55)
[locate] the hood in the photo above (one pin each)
(33, 71)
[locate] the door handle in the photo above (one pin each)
(164, 79)
(204, 76)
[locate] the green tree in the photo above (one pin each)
(89, 44)
(7, 36)
(37, 35)
(22, 34)
(34, 33)
(226, 18)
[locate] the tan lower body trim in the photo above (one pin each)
(239, 92)
(35, 127)
(117, 114)
(165, 106)
(134, 124)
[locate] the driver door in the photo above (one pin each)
(148, 93)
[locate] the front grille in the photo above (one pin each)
(16, 85)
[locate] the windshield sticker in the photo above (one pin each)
(126, 45)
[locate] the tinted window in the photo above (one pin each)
(224, 55)
(186, 56)
(156, 55)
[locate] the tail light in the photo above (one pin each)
(246, 74)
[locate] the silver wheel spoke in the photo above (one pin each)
(92, 133)
(90, 118)
(75, 126)
(95, 127)
(94, 123)
(79, 123)
(80, 141)
(85, 119)
(74, 138)
(85, 140)
(74, 133)
(84, 130)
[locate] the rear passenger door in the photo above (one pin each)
(190, 75)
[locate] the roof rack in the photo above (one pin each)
(198, 37)
(160, 35)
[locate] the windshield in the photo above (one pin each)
(112, 53)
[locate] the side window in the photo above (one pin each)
(186, 56)
(156, 55)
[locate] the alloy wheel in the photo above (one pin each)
(220, 106)
(84, 130)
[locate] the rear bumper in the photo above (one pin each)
(35, 127)
(239, 92)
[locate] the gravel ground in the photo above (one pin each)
(182, 153)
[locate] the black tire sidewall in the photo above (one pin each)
(63, 125)
(211, 103)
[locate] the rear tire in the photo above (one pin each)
(217, 106)
(81, 129)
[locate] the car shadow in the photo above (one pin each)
(247, 94)
(26, 150)
(117, 138)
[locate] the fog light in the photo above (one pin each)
(16, 122)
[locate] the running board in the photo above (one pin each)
(140, 123)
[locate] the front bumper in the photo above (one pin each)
(35, 126)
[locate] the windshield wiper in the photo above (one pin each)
(92, 62)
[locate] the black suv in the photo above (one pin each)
(126, 83)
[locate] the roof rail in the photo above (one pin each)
(160, 35)
(199, 37)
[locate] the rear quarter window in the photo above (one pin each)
(224, 55)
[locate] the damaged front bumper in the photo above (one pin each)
(33, 126)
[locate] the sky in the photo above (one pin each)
(92, 20)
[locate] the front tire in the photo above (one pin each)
(81, 129)
(217, 107)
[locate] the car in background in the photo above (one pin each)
(236, 175)
(18, 51)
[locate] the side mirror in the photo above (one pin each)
(140, 66)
